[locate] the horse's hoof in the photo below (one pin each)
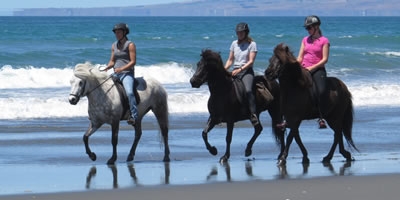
(223, 160)
(350, 159)
(281, 162)
(305, 160)
(112, 160)
(93, 156)
(213, 151)
(248, 152)
(166, 159)
(129, 159)
(326, 160)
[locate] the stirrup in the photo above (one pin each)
(321, 123)
(131, 121)
(254, 120)
(282, 125)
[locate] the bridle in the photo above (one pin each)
(90, 91)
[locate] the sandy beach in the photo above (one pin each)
(49, 162)
(327, 188)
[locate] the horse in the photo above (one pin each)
(107, 105)
(298, 103)
(225, 106)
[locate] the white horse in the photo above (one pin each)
(106, 105)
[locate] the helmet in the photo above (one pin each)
(121, 26)
(312, 20)
(242, 27)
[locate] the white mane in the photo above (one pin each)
(88, 71)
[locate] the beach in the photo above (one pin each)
(52, 164)
(42, 155)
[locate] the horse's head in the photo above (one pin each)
(77, 90)
(279, 60)
(84, 74)
(210, 64)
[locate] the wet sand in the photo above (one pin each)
(48, 161)
(327, 188)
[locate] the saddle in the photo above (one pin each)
(260, 89)
(124, 98)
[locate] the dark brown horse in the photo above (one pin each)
(297, 103)
(225, 106)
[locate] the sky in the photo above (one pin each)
(8, 6)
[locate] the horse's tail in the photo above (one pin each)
(160, 110)
(274, 109)
(348, 119)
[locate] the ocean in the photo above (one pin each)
(39, 53)
(38, 125)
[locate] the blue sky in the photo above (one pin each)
(8, 6)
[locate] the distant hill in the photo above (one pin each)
(234, 8)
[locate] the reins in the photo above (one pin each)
(99, 85)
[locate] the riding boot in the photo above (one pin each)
(131, 121)
(321, 123)
(282, 125)
(254, 120)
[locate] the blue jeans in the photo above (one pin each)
(128, 81)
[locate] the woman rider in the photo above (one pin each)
(242, 54)
(123, 60)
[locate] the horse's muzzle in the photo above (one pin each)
(73, 99)
(196, 83)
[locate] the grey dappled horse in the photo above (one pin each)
(106, 106)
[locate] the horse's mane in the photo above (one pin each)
(88, 71)
(214, 58)
(285, 55)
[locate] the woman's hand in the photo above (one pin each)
(236, 71)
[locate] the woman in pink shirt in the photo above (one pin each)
(313, 55)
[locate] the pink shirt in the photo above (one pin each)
(313, 50)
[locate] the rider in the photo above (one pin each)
(123, 60)
(313, 55)
(242, 54)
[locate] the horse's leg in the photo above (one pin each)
(257, 131)
(285, 153)
(138, 135)
(92, 128)
(276, 118)
(338, 139)
(210, 125)
(162, 118)
(302, 147)
(294, 131)
(114, 141)
(228, 139)
(343, 151)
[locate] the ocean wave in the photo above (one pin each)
(34, 77)
(386, 53)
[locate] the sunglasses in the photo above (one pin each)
(308, 28)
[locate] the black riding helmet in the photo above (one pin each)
(312, 20)
(121, 26)
(242, 27)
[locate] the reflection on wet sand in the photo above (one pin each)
(132, 172)
(229, 175)
(282, 171)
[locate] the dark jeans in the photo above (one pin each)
(319, 78)
(247, 78)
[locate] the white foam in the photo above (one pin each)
(43, 93)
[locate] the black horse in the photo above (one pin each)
(297, 103)
(224, 105)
